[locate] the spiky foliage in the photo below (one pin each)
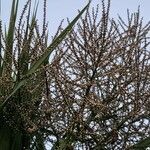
(24, 55)
(99, 85)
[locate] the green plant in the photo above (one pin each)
(99, 85)
(24, 55)
(88, 89)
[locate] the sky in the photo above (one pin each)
(61, 9)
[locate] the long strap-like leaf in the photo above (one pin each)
(143, 144)
(7, 64)
(49, 50)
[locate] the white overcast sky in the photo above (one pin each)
(61, 9)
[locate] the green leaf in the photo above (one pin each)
(10, 39)
(9, 139)
(49, 50)
(55, 43)
(143, 144)
(20, 84)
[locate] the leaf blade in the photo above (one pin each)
(57, 41)
(49, 50)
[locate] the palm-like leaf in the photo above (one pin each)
(15, 73)
(49, 50)
(143, 144)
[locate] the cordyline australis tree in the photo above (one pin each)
(24, 53)
(92, 94)
(98, 85)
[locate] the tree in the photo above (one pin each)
(89, 91)
(99, 85)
